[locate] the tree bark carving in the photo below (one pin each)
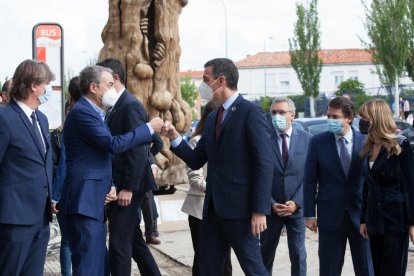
(144, 36)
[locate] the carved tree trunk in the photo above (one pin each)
(144, 35)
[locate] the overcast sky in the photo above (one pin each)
(202, 28)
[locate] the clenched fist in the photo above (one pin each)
(157, 124)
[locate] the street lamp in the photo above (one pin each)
(225, 25)
(265, 62)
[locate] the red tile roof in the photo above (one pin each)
(192, 74)
(337, 56)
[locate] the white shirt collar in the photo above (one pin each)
(122, 91)
(288, 132)
(26, 109)
(348, 136)
(230, 101)
(98, 110)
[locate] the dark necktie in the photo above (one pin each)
(218, 122)
(37, 132)
(344, 156)
(285, 153)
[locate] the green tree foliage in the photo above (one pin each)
(350, 86)
(189, 91)
(304, 48)
(388, 26)
(409, 65)
(265, 103)
(355, 90)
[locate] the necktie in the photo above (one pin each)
(344, 156)
(37, 132)
(218, 122)
(285, 153)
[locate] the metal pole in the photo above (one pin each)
(225, 25)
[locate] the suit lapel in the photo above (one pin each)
(115, 107)
(378, 161)
(276, 148)
(230, 111)
(356, 147)
(334, 150)
(294, 139)
(29, 127)
(92, 111)
(44, 130)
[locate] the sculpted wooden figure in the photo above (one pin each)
(144, 35)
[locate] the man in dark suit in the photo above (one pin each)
(25, 173)
(290, 146)
(132, 176)
(333, 183)
(89, 148)
(235, 143)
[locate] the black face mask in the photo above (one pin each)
(364, 126)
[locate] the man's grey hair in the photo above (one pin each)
(290, 103)
(91, 74)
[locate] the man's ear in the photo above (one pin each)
(33, 86)
(92, 86)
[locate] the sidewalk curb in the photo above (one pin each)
(168, 256)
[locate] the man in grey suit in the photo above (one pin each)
(290, 147)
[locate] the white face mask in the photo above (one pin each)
(206, 92)
(110, 97)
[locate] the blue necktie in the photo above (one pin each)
(37, 132)
(344, 156)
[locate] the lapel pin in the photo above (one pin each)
(233, 108)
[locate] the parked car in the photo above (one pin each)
(319, 124)
(403, 128)
(312, 125)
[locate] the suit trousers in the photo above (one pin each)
(195, 225)
(269, 240)
(218, 234)
(150, 215)
(389, 254)
(87, 238)
(23, 248)
(64, 253)
(125, 242)
(332, 245)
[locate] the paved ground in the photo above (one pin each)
(175, 254)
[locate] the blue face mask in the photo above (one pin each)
(45, 96)
(279, 122)
(335, 126)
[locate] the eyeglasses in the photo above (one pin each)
(280, 112)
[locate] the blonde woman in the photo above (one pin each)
(387, 216)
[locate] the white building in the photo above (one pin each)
(274, 70)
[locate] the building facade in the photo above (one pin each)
(270, 73)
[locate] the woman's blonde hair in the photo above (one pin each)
(382, 125)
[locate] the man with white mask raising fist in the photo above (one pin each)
(236, 144)
(89, 148)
